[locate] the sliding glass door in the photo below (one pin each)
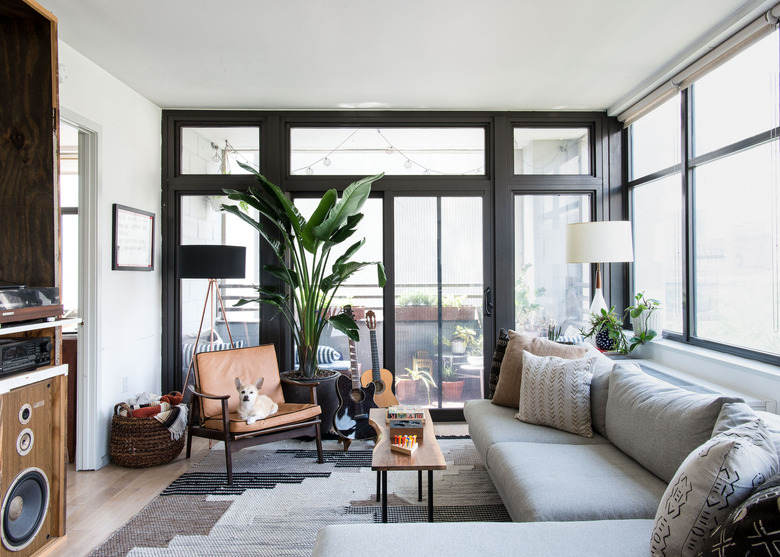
(438, 292)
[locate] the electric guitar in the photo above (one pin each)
(355, 401)
(381, 378)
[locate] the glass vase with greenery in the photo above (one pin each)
(304, 252)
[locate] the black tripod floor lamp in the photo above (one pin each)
(211, 263)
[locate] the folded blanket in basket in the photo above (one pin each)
(175, 419)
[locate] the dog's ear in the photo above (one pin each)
(259, 383)
(238, 384)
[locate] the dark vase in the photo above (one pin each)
(327, 397)
(603, 342)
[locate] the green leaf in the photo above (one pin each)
(327, 202)
(381, 275)
(351, 202)
(346, 325)
(288, 276)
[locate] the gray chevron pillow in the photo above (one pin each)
(710, 483)
(556, 392)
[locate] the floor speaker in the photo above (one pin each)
(31, 481)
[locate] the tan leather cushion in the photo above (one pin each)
(508, 387)
(216, 372)
(288, 413)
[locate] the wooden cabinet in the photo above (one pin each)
(32, 405)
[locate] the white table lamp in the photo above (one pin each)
(599, 242)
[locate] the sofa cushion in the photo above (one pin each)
(655, 422)
(614, 538)
(752, 528)
(556, 393)
(599, 389)
(498, 357)
(490, 424)
(710, 483)
(555, 482)
(508, 387)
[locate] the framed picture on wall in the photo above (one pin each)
(133, 239)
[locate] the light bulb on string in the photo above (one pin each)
(427, 172)
(408, 164)
(309, 171)
(389, 150)
(326, 161)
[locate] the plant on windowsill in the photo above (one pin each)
(606, 328)
(646, 319)
(303, 250)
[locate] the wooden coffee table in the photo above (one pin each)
(428, 457)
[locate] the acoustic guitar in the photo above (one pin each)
(381, 378)
(355, 401)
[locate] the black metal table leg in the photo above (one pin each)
(378, 485)
(430, 495)
(384, 496)
(419, 485)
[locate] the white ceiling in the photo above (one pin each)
(405, 54)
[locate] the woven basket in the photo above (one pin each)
(141, 442)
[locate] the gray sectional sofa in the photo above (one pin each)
(568, 494)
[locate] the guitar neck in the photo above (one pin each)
(353, 364)
(374, 356)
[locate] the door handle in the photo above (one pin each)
(487, 301)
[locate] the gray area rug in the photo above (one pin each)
(281, 497)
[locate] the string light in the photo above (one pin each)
(390, 150)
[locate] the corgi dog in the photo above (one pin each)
(253, 406)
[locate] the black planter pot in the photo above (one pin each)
(327, 397)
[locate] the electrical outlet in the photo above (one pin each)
(124, 384)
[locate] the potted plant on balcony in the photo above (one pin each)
(406, 385)
(303, 249)
(451, 383)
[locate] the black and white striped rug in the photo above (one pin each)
(281, 497)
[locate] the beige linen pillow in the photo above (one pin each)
(508, 387)
(556, 392)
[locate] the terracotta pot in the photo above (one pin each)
(406, 390)
(452, 390)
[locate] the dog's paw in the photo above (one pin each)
(250, 421)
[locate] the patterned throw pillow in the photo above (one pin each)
(498, 357)
(187, 349)
(556, 392)
(327, 355)
(709, 484)
(752, 529)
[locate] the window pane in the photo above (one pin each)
(394, 151)
(361, 291)
(738, 99)
(548, 291)
(736, 253)
(552, 151)
(655, 139)
(438, 292)
(70, 265)
(202, 222)
(69, 165)
(218, 150)
(656, 209)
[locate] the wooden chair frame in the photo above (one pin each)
(237, 441)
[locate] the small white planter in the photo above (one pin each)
(649, 321)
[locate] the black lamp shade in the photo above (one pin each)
(207, 262)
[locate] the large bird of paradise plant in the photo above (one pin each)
(303, 249)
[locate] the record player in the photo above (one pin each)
(26, 303)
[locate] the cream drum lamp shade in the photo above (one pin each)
(599, 242)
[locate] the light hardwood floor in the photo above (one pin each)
(102, 501)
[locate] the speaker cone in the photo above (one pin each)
(24, 508)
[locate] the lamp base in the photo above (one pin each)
(598, 303)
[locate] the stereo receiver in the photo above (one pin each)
(24, 353)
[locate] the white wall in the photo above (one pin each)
(129, 313)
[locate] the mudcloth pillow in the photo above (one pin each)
(556, 392)
(752, 529)
(498, 357)
(709, 484)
